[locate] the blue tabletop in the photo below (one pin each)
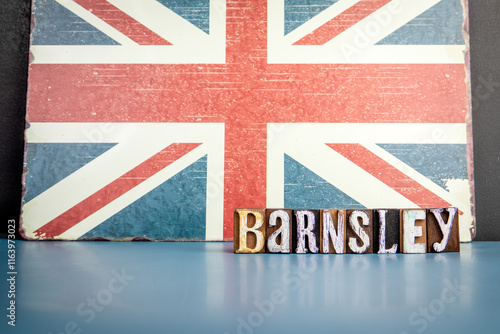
(166, 287)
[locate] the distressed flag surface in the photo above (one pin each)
(157, 118)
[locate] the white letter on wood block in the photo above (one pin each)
(302, 231)
(329, 231)
(382, 250)
(410, 231)
(445, 227)
(244, 230)
(353, 221)
(284, 231)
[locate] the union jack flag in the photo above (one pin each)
(156, 118)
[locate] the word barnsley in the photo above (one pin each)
(337, 231)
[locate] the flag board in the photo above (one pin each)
(157, 118)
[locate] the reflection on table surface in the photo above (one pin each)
(193, 287)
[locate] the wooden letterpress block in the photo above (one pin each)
(279, 230)
(359, 232)
(386, 231)
(413, 231)
(332, 232)
(249, 230)
(443, 230)
(305, 231)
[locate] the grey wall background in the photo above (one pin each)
(14, 37)
(485, 67)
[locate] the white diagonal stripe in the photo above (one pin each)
(96, 22)
(162, 21)
(461, 199)
(132, 195)
(414, 174)
(310, 150)
(347, 176)
(356, 45)
(318, 20)
(86, 181)
(407, 11)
